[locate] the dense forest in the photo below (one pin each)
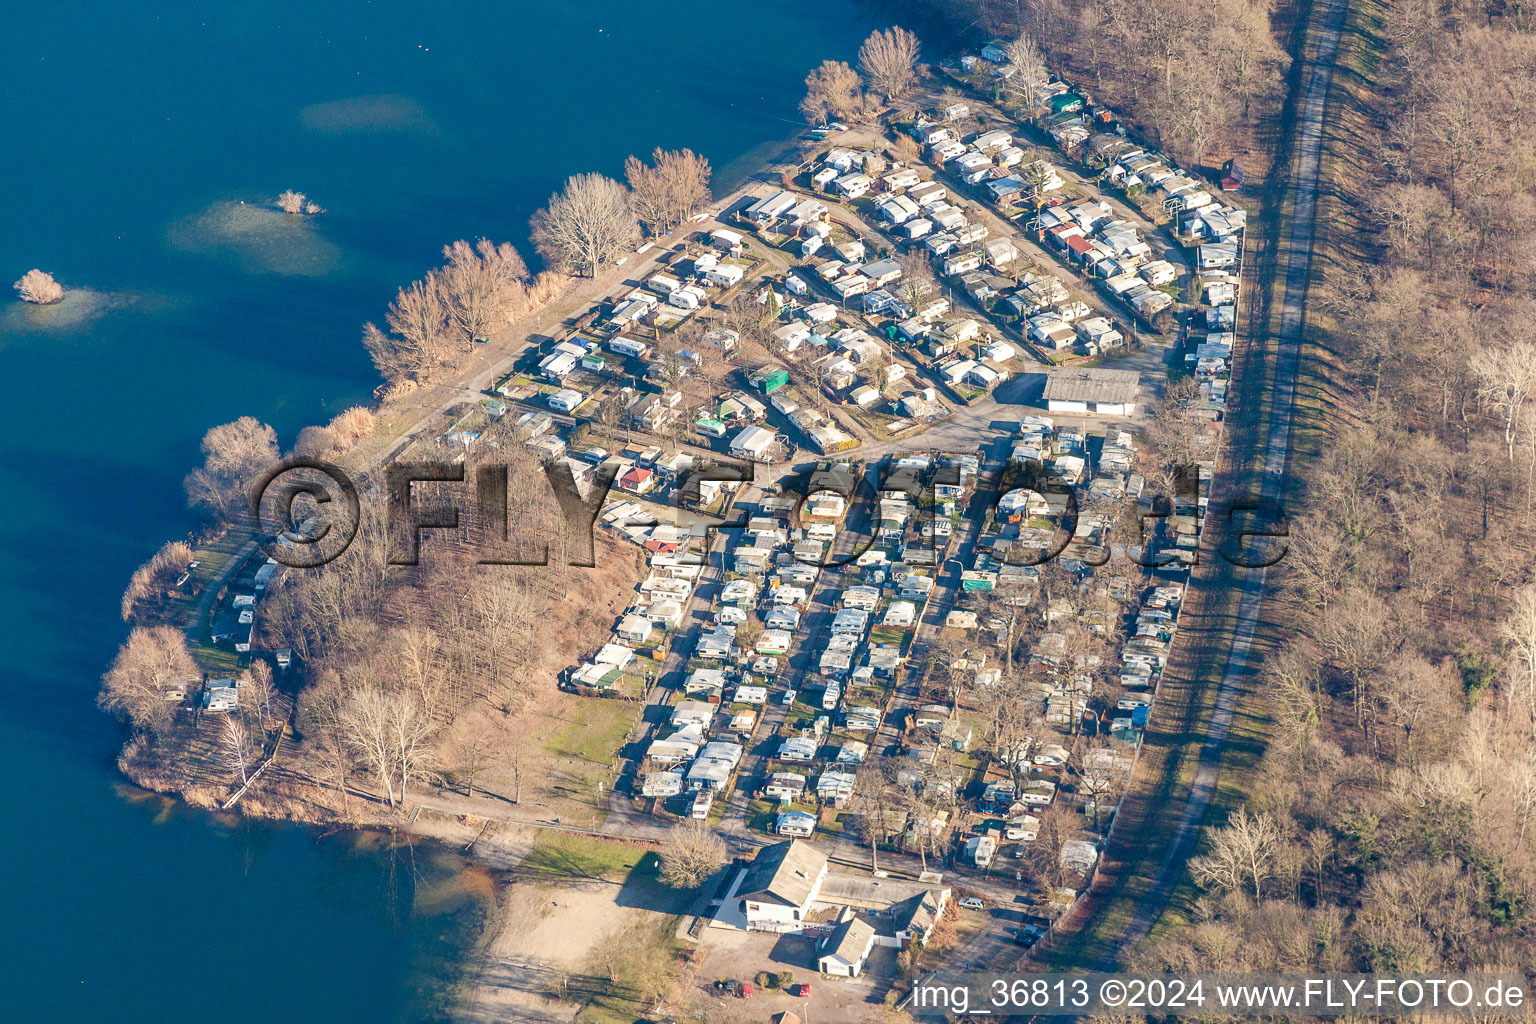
(1198, 79)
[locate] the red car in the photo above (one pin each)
(800, 991)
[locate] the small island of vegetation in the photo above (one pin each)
(38, 286)
(298, 204)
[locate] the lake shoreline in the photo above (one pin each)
(292, 798)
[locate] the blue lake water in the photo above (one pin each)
(132, 134)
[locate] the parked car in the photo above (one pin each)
(788, 698)
(974, 903)
(800, 991)
(1028, 935)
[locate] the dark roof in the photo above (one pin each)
(784, 873)
(917, 913)
(1093, 384)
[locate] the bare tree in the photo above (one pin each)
(879, 815)
(1518, 631)
(1044, 854)
(1242, 854)
(917, 283)
(889, 60)
(388, 731)
(322, 708)
(1030, 71)
(415, 348)
(156, 576)
(420, 315)
(39, 286)
(587, 223)
(649, 967)
(906, 149)
(1015, 728)
(833, 90)
(607, 955)
(237, 748)
(693, 852)
(1099, 779)
(1506, 376)
(261, 695)
(482, 286)
(673, 188)
(351, 426)
(234, 454)
(471, 755)
(153, 662)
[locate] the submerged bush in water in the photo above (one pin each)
(297, 203)
(40, 287)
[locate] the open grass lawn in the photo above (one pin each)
(592, 858)
(589, 728)
(574, 747)
(799, 717)
(760, 815)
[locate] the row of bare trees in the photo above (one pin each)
(836, 92)
(479, 290)
(594, 219)
(484, 286)
(235, 455)
(297, 204)
(669, 190)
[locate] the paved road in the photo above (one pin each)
(1295, 269)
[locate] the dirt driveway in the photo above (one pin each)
(740, 956)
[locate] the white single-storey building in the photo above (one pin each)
(795, 823)
(1093, 390)
(844, 952)
(852, 185)
(752, 443)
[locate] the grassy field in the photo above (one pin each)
(574, 744)
(572, 855)
(589, 729)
